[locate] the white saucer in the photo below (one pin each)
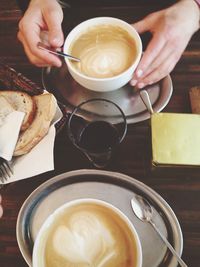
(70, 93)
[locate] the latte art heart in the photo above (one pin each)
(85, 241)
(105, 51)
(89, 235)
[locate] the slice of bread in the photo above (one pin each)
(45, 110)
(22, 102)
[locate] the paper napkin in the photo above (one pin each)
(40, 159)
(9, 132)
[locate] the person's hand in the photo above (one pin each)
(45, 15)
(171, 30)
(1, 208)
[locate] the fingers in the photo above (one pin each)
(155, 59)
(161, 67)
(53, 18)
(141, 26)
(1, 209)
(159, 73)
(153, 50)
(144, 25)
(155, 46)
(171, 32)
(161, 55)
(162, 64)
(36, 19)
(37, 56)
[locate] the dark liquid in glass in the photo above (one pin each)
(98, 136)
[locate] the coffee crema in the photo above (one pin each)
(105, 51)
(89, 235)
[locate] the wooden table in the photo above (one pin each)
(179, 188)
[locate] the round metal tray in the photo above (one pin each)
(112, 187)
(70, 93)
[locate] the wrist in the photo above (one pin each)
(197, 2)
(193, 6)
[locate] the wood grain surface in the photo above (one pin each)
(179, 187)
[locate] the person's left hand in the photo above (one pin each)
(1, 208)
(171, 30)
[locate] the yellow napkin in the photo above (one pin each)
(175, 139)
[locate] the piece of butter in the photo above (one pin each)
(175, 138)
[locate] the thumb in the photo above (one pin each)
(144, 25)
(53, 17)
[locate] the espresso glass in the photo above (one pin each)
(97, 127)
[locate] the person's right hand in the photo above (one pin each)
(1, 208)
(45, 15)
(171, 29)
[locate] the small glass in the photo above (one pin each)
(97, 127)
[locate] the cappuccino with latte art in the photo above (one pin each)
(87, 233)
(104, 50)
(109, 49)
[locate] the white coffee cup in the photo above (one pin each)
(94, 227)
(103, 84)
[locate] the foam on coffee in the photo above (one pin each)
(90, 235)
(105, 51)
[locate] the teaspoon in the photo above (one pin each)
(56, 52)
(146, 100)
(143, 210)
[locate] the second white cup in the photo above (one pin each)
(87, 232)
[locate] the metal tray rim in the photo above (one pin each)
(117, 175)
(163, 99)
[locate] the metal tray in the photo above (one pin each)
(70, 93)
(112, 187)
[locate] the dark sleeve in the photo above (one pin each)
(23, 4)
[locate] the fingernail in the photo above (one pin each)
(139, 73)
(57, 64)
(56, 41)
(133, 82)
(140, 85)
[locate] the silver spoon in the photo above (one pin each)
(55, 52)
(143, 210)
(146, 100)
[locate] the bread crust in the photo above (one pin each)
(45, 111)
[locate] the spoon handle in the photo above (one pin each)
(180, 261)
(55, 52)
(146, 100)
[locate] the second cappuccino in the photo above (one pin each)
(87, 233)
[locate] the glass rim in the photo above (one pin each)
(70, 134)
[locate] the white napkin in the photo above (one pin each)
(40, 159)
(9, 132)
